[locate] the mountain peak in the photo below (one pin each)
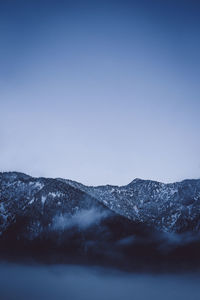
(136, 180)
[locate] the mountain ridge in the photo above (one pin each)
(167, 207)
(60, 219)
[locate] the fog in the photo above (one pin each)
(82, 218)
(39, 282)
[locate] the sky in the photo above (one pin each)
(100, 92)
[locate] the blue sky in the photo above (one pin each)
(100, 91)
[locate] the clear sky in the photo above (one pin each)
(100, 91)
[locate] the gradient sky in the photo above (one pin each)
(100, 91)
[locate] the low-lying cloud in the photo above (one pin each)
(170, 240)
(57, 282)
(82, 219)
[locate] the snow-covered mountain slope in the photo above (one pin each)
(45, 202)
(50, 219)
(173, 207)
(51, 203)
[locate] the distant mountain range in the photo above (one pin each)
(102, 221)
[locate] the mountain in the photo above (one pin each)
(167, 207)
(48, 204)
(173, 207)
(107, 223)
